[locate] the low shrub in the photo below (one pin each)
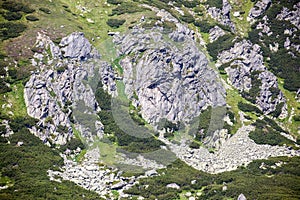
(127, 7)
(224, 42)
(114, 2)
(13, 6)
(32, 18)
(11, 30)
(248, 108)
(45, 10)
(203, 25)
(115, 23)
(187, 17)
(12, 16)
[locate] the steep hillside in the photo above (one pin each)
(143, 99)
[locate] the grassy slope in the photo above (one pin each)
(241, 23)
(12, 103)
(291, 125)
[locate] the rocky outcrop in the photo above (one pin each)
(215, 33)
(292, 16)
(245, 66)
(172, 80)
(77, 46)
(259, 8)
(59, 91)
(222, 15)
(241, 197)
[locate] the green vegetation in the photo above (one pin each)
(281, 63)
(268, 132)
(215, 3)
(32, 18)
(203, 25)
(14, 6)
(167, 125)
(111, 127)
(278, 110)
(73, 144)
(255, 89)
(168, 26)
(136, 115)
(286, 66)
(187, 17)
(45, 10)
(204, 121)
(248, 108)
(127, 7)
(16, 98)
(115, 2)
(224, 42)
(242, 25)
(26, 168)
(115, 23)
(282, 182)
(12, 16)
(11, 30)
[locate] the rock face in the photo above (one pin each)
(259, 8)
(77, 46)
(222, 16)
(291, 15)
(246, 68)
(171, 80)
(215, 33)
(59, 91)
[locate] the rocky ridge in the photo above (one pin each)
(245, 60)
(58, 90)
(161, 73)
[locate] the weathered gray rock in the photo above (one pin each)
(238, 150)
(292, 16)
(246, 59)
(241, 197)
(258, 9)
(173, 185)
(215, 33)
(170, 82)
(60, 90)
(77, 46)
(152, 172)
(222, 16)
(181, 33)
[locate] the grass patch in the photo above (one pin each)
(116, 64)
(291, 125)
(241, 23)
(16, 99)
(108, 152)
(80, 156)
